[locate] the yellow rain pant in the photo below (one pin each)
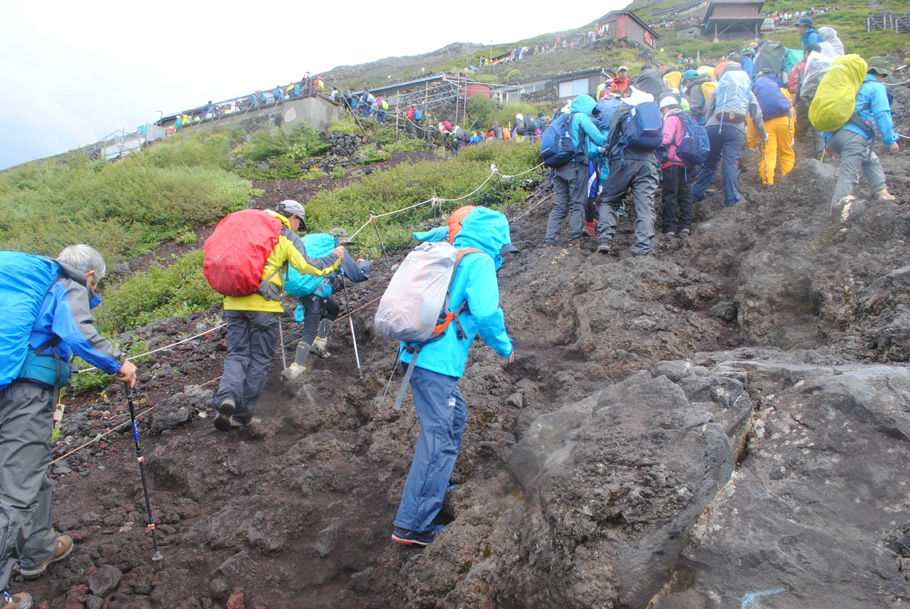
(780, 143)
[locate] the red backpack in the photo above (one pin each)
(236, 253)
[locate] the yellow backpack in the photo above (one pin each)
(835, 98)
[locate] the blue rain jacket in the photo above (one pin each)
(872, 103)
(475, 282)
(583, 129)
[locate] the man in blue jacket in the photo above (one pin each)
(854, 140)
(441, 409)
(807, 32)
(570, 181)
(63, 327)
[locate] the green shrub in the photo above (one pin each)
(123, 208)
(339, 173)
(160, 292)
(371, 154)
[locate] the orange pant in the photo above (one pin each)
(780, 142)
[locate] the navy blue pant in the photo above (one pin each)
(442, 415)
(251, 340)
(726, 146)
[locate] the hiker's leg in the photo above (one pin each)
(26, 423)
(644, 187)
(263, 338)
(731, 149)
(707, 171)
(785, 148)
(237, 359)
(852, 148)
(441, 413)
(313, 308)
(41, 540)
(562, 177)
(872, 168)
(614, 191)
(686, 206)
(669, 184)
(578, 198)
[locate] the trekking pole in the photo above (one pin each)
(347, 304)
(284, 360)
(385, 255)
(156, 557)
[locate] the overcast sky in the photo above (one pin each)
(73, 72)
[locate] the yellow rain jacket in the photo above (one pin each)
(285, 252)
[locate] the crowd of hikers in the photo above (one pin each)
(674, 128)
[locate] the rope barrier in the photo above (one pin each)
(166, 347)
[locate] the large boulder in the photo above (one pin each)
(812, 517)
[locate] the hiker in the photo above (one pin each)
(726, 112)
(779, 121)
(651, 80)
(570, 180)
(807, 137)
(497, 131)
(853, 142)
(676, 218)
(63, 327)
(441, 409)
(252, 321)
(807, 32)
(633, 167)
(317, 310)
(306, 85)
(694, 94)
(620, 81)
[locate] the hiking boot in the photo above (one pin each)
(319, 347)
(292, 372)
(413, 538)
(605, 248)
(683, 233)
(883, 195)
(591, 228)
(62, 549)
(669, 233)
(19, 600)
(711, 188)
(225, 411)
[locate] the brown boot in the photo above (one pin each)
(20, 600)
(61, 550)
(884, 195)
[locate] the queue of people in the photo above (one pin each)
(749, 98)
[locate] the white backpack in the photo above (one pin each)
(415, 306)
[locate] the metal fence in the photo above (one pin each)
(888, 21)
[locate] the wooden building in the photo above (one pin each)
(625, 25)
(726, 19)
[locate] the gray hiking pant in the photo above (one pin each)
(26, 523)
(641, 177)
(855, 155)
(570, 183)
(251, 340)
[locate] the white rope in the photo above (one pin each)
(524, 172)
(165, 348)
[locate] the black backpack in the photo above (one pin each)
(530, 123)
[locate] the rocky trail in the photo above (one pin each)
(724, 423)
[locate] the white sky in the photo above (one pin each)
(73, 72)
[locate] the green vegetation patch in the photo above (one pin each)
(124, 208)
(411, 183)
(160, 292)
